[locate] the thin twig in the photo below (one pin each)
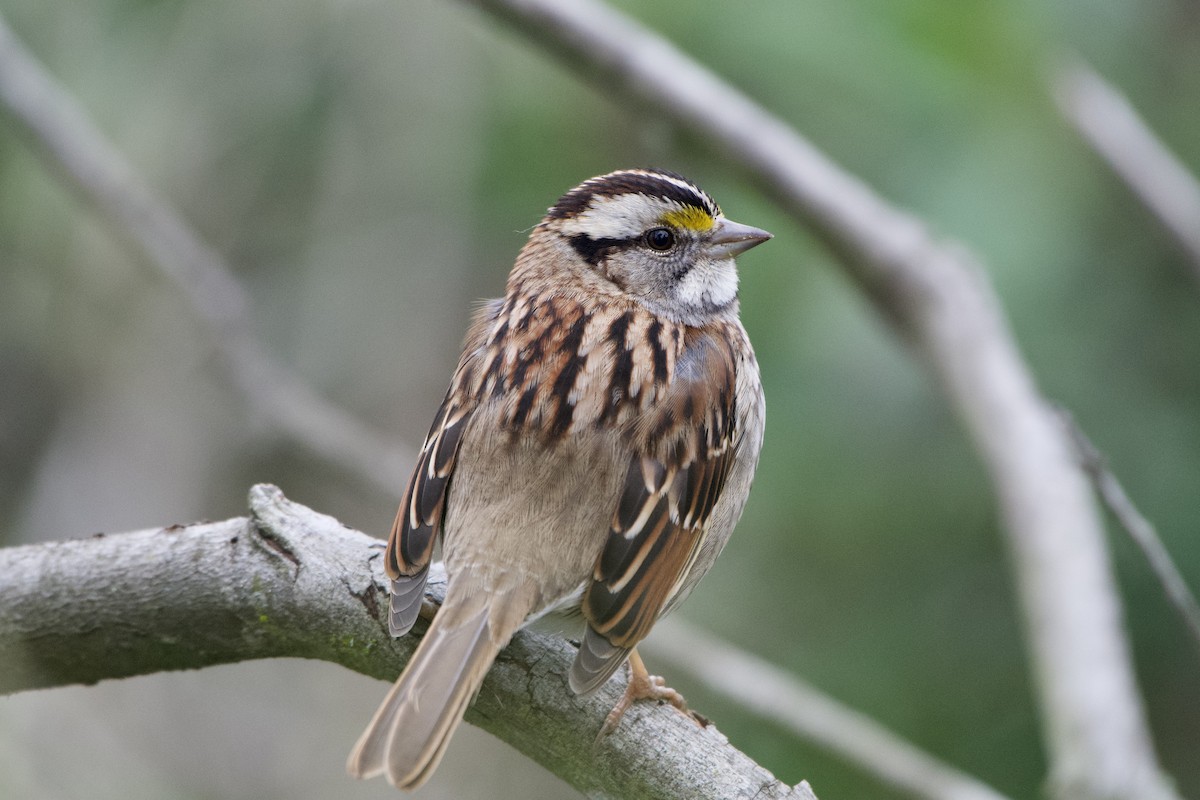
(70, 144)
(1140, 530)
(768, 691)
(938, 298)
(1112, 126)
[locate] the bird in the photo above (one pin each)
(590, 459)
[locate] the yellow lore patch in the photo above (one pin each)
(689, 217)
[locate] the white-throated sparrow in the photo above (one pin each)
(593, 452)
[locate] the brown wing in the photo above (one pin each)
(410, 545)
(419, 518)
(662, 515)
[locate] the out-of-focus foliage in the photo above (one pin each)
(370, 169)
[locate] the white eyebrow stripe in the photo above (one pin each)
(621, 216)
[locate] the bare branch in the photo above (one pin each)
(71, 145)
(1137, 526)
(938, 297)
(1112, 126)
(773, 694)
(291, 582)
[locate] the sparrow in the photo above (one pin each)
(591, 457)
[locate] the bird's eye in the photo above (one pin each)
(660, 239)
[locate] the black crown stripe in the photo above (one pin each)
(654, 183)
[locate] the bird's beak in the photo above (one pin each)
(731, 238)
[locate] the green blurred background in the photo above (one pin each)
(369, 169)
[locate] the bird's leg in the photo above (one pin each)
(644, 686)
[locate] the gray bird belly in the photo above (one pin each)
(523, 510)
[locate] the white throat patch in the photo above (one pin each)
(713, 284)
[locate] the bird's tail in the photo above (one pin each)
(409, 733)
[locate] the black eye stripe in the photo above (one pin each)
(594, 251)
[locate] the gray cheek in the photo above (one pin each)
(648, 277)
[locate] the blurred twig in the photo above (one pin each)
(938, 298)
(1140, 530)
(773, 694)
(289, 582)
(1112, 126)
(68, 141)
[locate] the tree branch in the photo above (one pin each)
(288, 581)
(937, 296)
(1109, 123)
(1139, 529)
(773, 694)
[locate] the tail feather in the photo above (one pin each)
(409, 733)
(404, 605)
(595, 662)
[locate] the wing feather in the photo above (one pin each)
(672, 484)
(419, 518)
